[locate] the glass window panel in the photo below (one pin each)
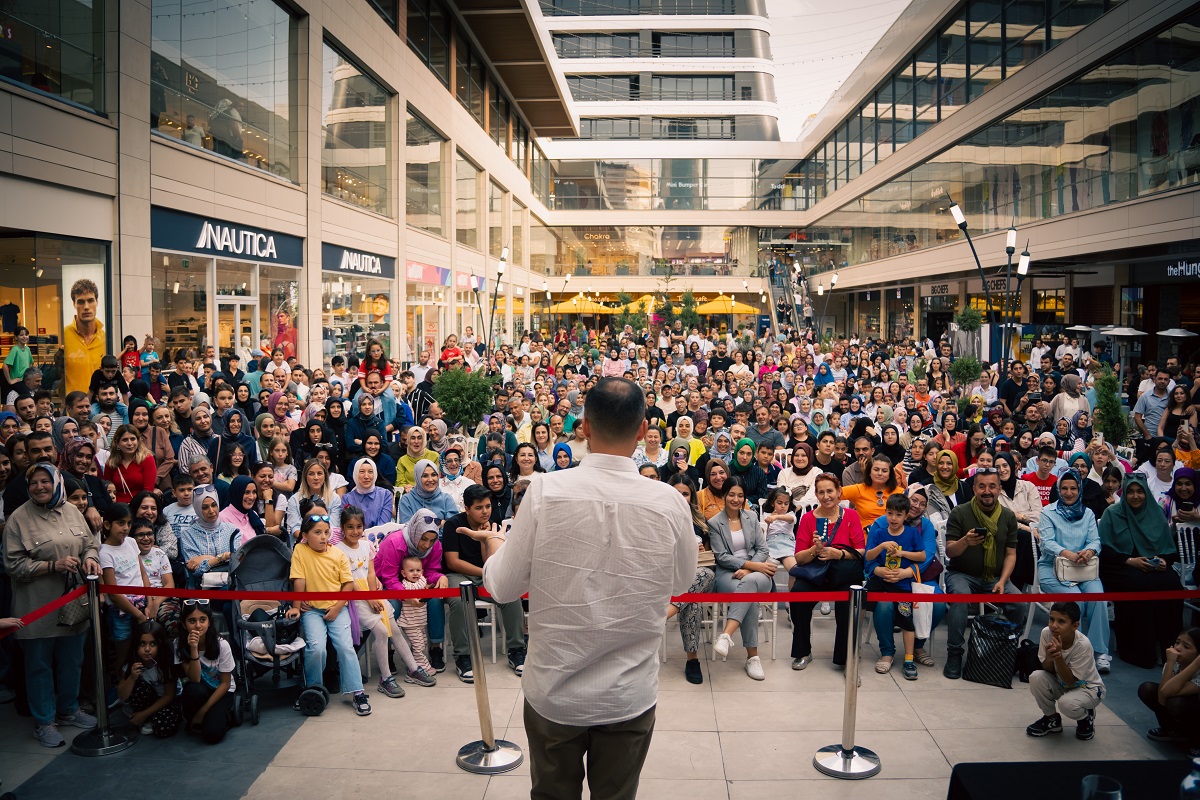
(354, 113)
(1024, 33)
(466, 202)
(867, 117)
(495, 220)
(854, 147)
(986, 45)
(222, 80)
(57, 47)
(952, 57)
(926, 92)
(517, 243)
(905, 110)
(422, 175)
(1068, 17)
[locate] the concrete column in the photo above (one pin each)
(918, 329)
(308, 141)
(131, 249)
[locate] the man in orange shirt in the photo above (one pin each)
(84, 342)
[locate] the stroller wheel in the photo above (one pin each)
(253, 709)
(238, 710)
(312, 702)
(321, 688)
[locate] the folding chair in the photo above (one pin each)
(768, 614)
(1035, 587)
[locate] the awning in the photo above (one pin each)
(724, 304)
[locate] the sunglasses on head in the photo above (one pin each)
(986, 471)
(319, 518)
(195, 602)
(429, 520)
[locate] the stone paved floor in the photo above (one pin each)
(730, 738)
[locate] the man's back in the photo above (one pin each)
(600, 550)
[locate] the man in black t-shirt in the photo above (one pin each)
(463, 560)
(1014, 386)
(721, 359)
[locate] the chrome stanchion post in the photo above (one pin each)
(489, 755)
(845, 760)
(101, 740)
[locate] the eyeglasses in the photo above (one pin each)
(195, 602)
(319, 518)
(144, 535)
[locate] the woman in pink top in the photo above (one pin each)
(829, 558)
(417, 538)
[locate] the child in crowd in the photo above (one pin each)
(129, 353)
(1068, 680)
(122, 564)
(1175, 699)
(148, 683)
(414, 616)
(285, 471)
(76, 492)
(318, 567)
(894, 554)
(781, 527)
(206, 661)
(180, 514)
(154, 561)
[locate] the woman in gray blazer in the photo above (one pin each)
(743, 566)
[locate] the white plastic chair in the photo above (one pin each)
(1035, 587)
(768, 614)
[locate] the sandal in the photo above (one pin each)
(922, 657)
(884, 665)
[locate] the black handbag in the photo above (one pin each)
(1027, 660)
(78, 610)
(814, 571)
(992, 651)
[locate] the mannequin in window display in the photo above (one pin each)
(285, 334)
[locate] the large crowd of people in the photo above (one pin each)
(807, 465)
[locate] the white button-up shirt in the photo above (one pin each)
(600, 550)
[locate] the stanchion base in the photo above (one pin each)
(849, 764)
(474, 757)
(100, 743)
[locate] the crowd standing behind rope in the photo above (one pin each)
(835, 462)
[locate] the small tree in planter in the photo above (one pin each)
(629, 314)
(464, 396)
(969, 321)
(687, 311)
(965, 370)
(1109, 415)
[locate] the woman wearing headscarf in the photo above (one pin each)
(683, 433)
(310, 439)
(744, 466)
(335, 429)
(562, 457)
(77, 460)
(278, 407)
(205, 542)
(265, 431)
(1070, 399)
(366, 419)
(824, 376)
(678, 461)
(495, 479)
(1068, 530)
(1181, 498)
(375, 502)
(235, 429)
(947, 491)
(799, 475)
(890, 444)
(427, 493)
(44, 539)
(241, 511)
(1018, 496)
(244, 399)
(385, 465)
(419, 538)
(437, 436)
(62, 430)
(1137, 549)
(453, 465)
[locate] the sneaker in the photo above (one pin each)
(722, 644)
(1104, 664)
(516, 662)
(1165, 735)
(1045, 725)
(692, 671)
(910, 670)
(78, 720)
(49, 736)
(953, 668)
(754, 668)
(884, 665)
(922, 657)
(462, 665)
(389, 687)
(7, 695)
(362, 706)
(800, 663)
(147, 729)
(437, 659)
(826, 608)
(420, 677)
(1085, 729)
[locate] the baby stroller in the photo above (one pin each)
(270, 642)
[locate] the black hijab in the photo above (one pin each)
(895, 452)
(500, 500)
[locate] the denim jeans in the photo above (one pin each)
(956, 614)
(883, 619)
(50, 662)
(316, 631)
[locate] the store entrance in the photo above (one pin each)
(237, 329)
(937, 323)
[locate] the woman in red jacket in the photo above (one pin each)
(968, 451)
(130, 465)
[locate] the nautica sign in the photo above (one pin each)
(360, 262)
(347, 260)
(228, 239)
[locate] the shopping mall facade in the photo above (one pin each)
(322, 172)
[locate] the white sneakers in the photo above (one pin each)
(722, 644)
(754, 668)
(1104, 663)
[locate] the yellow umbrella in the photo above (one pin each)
(724, 304)
(645, 303)
(580, 305)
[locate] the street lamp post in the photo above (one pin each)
(546, 300)
(961, 221)
(833, 279)
(1010, 247)
(495, 291)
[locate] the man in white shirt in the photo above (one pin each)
(608, 549)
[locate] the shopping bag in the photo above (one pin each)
(992, 651)
(923, 611)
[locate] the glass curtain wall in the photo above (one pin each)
(423, 175)
(466, 202)
(354, 115)
(55, 46)
(222, 78)
(496, 241)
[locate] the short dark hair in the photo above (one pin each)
(827, 434)
(1047, 450)
(1069, 609)
(766, 445)
(37, 436)
(474, 493)
(181, 479)
(898, 502)
(615, 408)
